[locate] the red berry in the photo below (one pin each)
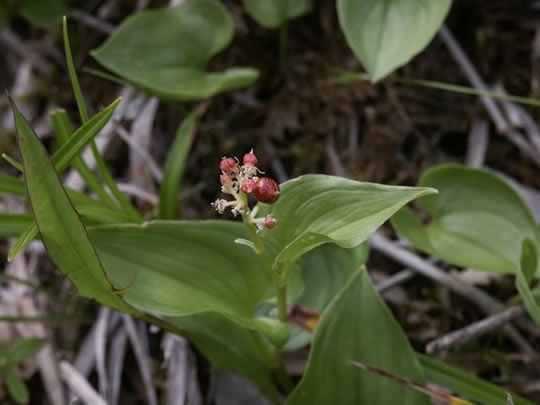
(250, 159)
(266, 190)
(248, 186)
(269, 222)
(227, 165)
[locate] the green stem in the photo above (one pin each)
(281, 287)
(283, 379)
(282, 303)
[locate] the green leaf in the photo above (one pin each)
(273, 13)
(325, 271)
(317, 209)
(11, 185)
(357, 326)
(174, 168)
(16, 387)
(12, 224)
(82, 137)
(61, 229)
(476, 220)
(86, 206)
(234, 348)
(42, 13)
(180, 268)
(63, 157)
(524, 275)
(165, 51)
(23, 349)
(63, 131)
(465, 384)
(386, 34)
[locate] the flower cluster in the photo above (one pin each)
(239, 180)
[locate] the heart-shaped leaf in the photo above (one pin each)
(325, 271)
(240, 350)
(357, 326)
(317, 209)
(61, 229)
(187, 267)
(476, 220)
(273, 13)
(386, 34)
(165, 51)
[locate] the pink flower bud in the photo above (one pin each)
(228, 165)
(248, 186)
(266, 190)
(225, 180)
(268, 222)
(250, 159)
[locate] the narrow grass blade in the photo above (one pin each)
(61, 229)
(62, 129)
(524, 275)
(11, 185)
(82, 137)
(465, 384)
(13, 224)
(102, 167)
(174, 168)
(351, 77)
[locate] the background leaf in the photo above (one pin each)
(273, 13)
(23, 349)
(42, 13)
(386, 34)
(61, 229)
(357, 326)
(524, 275)
(316, 209)
(165, 51)
(467, 385)
(174, 168)
(16, 387)
(476, 220)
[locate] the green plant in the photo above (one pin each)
(10, 358)
(477, 221)
(293, 272)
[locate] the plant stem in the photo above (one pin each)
(281, 288)
(283, 379)
(282, 303)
